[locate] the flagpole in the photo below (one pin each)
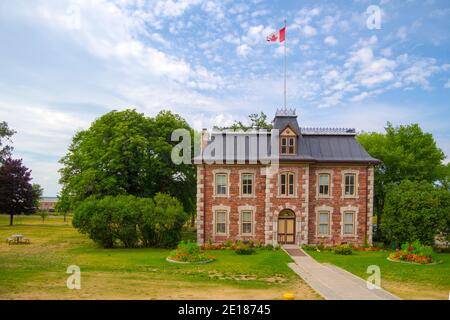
(285, 105)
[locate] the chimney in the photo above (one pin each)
(204, 139)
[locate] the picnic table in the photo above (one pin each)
(17, 239)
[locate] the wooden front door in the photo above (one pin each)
(286, 228)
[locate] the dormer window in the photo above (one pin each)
(287, 143)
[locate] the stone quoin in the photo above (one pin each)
(320, 189)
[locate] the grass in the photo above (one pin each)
(38, 270)
(408, 281)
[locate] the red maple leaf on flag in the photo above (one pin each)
(272, 38)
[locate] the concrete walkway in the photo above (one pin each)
(331, 282)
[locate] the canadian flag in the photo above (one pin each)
(280, 37)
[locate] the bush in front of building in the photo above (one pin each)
(343, 249)
(130, 221)
(245, 249)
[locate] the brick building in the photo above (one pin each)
(321, 190)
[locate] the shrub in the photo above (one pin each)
(343, 249)
(162, 222)
(244, 249)
(268, 246)
(228, 244)
(321, 246)
(416, 211)
(130, 220)
(188, 251)
(379, 245)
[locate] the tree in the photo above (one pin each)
(38, 192)
(5, 135)
(406, 152)
(257, 121)
(416, 211)
(126, 153)
(16, 193)
(43, 214)
(63, 205)
(443, 172)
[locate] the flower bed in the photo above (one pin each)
(413, 253)
(248, 246)
(189, 252)
(409, 257)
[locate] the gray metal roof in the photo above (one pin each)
(313, 144)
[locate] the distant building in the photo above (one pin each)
(48, 203)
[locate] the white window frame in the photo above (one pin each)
(251, 222)
(287, 194)
(355, 211)
(215, 210)
(225, 172)
(252, 185)
(330, 183)
(345, 223)
(329, 210)
(327, 185)
(356, 186)
(319, 223)
(241, 210)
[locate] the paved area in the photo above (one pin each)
(331, 282)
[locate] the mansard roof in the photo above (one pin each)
(313, 144)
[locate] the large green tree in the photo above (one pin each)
(125, 152)
(257, 121)
(416, 211)
(406, 152)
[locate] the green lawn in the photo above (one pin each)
(408, 281)
(38, 271)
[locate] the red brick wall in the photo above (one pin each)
(301, 204)
(337, 202)
(234, 201)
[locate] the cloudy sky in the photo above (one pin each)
(65, 63)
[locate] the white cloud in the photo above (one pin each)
(447, 84)
(243, 50)
(309, 31)
(402, 33)
(330, 40)
(360, 97)
(419, 72)
(170, 8)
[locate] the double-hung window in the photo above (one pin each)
(221, 184)
(349, 184)
(247, 222)
(324, 184)
(247, 184)
(349, 223)
(324, 223)
(221, 222)
(287, 184)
